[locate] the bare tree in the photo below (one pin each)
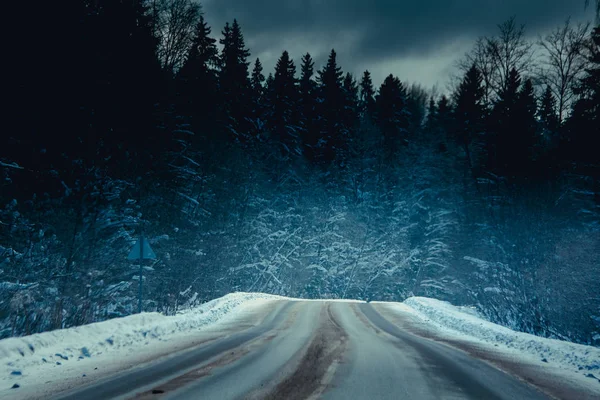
(174, 26)
(496, 56)
(509, 50)
(564, 62)
(481, 58)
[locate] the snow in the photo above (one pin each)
(57, 356)
(464, 323)
(42, 364)
(194, 201)
(10, 165)
(121, 332)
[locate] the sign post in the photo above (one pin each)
(141, 251)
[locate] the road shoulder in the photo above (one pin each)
(552, 380)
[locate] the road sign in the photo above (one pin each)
(141, 251)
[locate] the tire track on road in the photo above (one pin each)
(530, 374)
(475, 378)
(228, 357)
(164, 370)
(317, 366)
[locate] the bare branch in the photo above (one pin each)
(175, 22)
(563, 62)
(496, 56)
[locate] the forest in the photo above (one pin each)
(131, 116)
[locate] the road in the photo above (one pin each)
(316, 350)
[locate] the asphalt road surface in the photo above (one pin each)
(316, 350)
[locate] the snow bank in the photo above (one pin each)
(31, 356)
(455, 320)
(89, 340)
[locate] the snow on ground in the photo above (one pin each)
(464, 323)
(44, 363)
(48, 357)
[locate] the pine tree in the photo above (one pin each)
(444, 120)
(584, 124)
(330, 78)
(203, 53)
(391, 114)
(269, 87)
(350, 114)
(526, 101)
(367, 95)
(469, 111)
(257, 80)
(197, 79)
(258, 90)
(525, 121)
(416, 105)
(331, 106)
(351, 90)
(233, 80)
(283, 120)
(307, 89)
(547, 113)
(549, 134)
(431, 113)
(307, 84)
(503, 126)
(592, 80)
(443, 110)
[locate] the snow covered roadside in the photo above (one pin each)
(455, 319)
(556, 365)
(38, 362)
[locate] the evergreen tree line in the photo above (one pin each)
(303, 182)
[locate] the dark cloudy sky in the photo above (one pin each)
(419, 41)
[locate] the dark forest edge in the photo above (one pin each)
(306, 182)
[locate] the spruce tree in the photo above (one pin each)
(443, 110)
(307, 89)
(197, 79)
(330, 78)
(549, 134)
(391, 114)
(525, 121)
(258, 90)
(257, 80)
(444, 120)
(547, 113)
(584, 124)
(234, 82)
(592, 79)
(469, 111)
(351, 90)
(283, 121)
(349, 117)
(307, 83)
(503, 126)
(431, 113)
(367, 95)
(331, 104)
(269, 87)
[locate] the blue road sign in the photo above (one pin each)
(141, 251)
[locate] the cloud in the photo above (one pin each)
(379, 32)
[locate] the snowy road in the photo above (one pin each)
(309, 350)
